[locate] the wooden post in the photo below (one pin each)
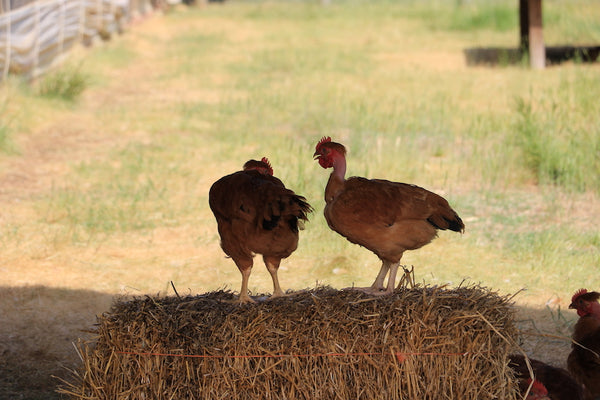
(524, 26)
(537, 49)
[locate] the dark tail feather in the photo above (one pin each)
(288, 206)
(303, 206)
(456, 224)
(444, 222)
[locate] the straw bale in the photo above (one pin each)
(419, 343)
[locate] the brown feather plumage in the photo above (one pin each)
(257, 214)
(558, 382)
(389, 218)
(584, 360)
(386, 217)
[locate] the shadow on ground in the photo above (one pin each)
(507, 56)
(546, 333)
(38, 326)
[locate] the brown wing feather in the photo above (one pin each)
(389, 217)
(414, 202)
(383, 202)
(256, 213)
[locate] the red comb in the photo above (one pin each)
(577, 294)
(324, 139)
(266, 161)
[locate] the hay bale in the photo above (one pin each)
(420, 343)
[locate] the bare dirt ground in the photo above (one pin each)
(45, 307)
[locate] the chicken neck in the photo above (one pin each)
(594, 310)
(337, 178)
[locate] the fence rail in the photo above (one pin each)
(37, 36)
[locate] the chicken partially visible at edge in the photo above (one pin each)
(558, 384)
(584, 360)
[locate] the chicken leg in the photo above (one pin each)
(245, 267)
(272, 264)
(378, 288)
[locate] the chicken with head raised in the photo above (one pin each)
(257, 214)
(385, 217)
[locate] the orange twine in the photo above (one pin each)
(401, 357)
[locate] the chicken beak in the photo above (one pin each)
(572, 306)
(316, 156)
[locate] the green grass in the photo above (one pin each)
(8, 117)
(66, 83)
(469, 16)
(191, 99)
(559, 134)
(5, 141)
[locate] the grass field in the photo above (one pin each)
(105, 193)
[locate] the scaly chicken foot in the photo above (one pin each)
(244, 297)
(272, 264)
(378, 288)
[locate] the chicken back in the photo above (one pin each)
(257, 214)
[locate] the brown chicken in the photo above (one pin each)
(584, 360)
(556, 382)
(256, 213)
(386, 217)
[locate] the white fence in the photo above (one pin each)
(37, 36)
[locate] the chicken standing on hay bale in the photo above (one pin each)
(256, 213)
(550, 382)
(584, 360)
(385, 217)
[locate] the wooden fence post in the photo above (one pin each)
(524, 26)
(537, 49)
